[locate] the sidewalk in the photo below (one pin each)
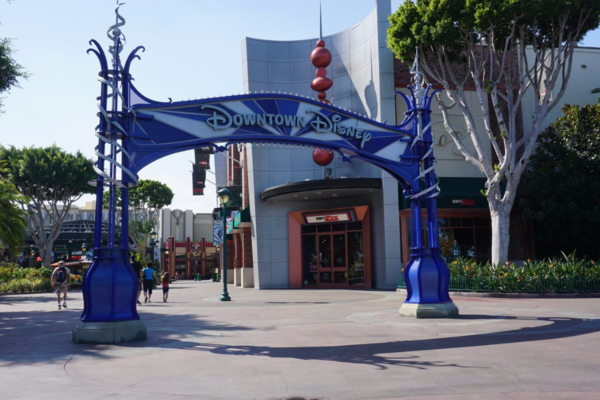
(315, 344)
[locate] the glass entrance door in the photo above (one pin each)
(332, 262)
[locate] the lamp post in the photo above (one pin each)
(152, 245)
(196, 254)
(70, 249)
(216, 269)
(224, 198)
(32, 254)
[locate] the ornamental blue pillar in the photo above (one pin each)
(426, 275)
(110, 286)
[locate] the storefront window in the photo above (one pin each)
(309, 259)
(356, 267)
(333, 254)
(325, 251)
(459, 237)
(339, 251)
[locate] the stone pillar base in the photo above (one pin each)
(432, 310)
(247, 275)
(109, 332)
(230, 275)
(237, 277)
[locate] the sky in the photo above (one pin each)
(193, 50)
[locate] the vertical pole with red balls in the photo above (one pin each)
(321, 58)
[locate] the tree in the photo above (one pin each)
(12, 217)
(145, 202)
(502, 48)
(51, 181)
(10, 70)
(563, 183)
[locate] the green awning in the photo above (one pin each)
(241, 220)
(462, 193)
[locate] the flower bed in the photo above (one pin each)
(566, 275)
(14, 279)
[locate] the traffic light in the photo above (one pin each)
(199, 178)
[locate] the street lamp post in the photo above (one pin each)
(69, 250)
(216, 269)
(196, 254)
(152, 245)
(224, 198)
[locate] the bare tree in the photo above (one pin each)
(503, 49)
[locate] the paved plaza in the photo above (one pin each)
(315, 344)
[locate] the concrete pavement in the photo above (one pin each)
(315, 344)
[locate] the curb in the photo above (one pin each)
(521, 295)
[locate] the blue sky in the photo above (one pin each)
(192, 51)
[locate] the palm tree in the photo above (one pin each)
(12, 217)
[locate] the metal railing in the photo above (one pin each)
(510, 285)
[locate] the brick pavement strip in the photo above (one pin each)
(316, 344)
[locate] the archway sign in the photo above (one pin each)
(134, 131)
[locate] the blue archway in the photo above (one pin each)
(134, 131)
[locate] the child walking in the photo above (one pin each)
(165, 278)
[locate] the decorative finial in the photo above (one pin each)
(321, 58)
(114, 33)
(418, 77)
(320, 22)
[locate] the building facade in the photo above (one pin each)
(347, 225)
(186, 244)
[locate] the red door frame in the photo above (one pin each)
(295, 223)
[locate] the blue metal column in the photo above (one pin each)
(426, 275)
(110, 286)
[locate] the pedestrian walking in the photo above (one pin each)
(149, 278)
(61, 282)
(137, 267)
(165, 278)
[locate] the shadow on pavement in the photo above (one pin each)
(42, 337)
(384, 355)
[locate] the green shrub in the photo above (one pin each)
(41, 285)
(45, 272)
(20, 273)
(555, 268)
(556, 275)
(5, 274)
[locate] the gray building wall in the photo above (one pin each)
(362, 72)
(584, 78)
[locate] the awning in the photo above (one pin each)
(462, 193)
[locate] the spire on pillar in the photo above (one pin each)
(320, 22)
(321, 58)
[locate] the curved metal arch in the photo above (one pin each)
(161, 129)
(149, 130)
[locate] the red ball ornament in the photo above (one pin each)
(320, 57)
(321, 72)
(322, 157)
(321, 84)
